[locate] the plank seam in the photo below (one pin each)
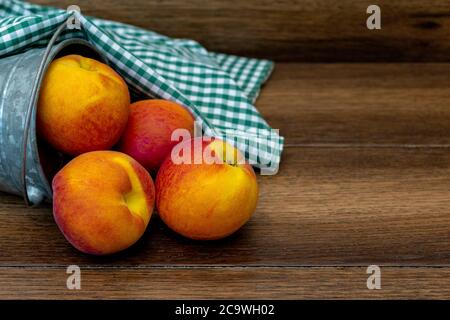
(367, 145)
(199, 267)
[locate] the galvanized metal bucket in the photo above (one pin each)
(21, 172)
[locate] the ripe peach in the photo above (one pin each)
(103, 201)
(207, 200)
(147, 137)
(83, 105)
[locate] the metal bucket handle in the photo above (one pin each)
(30, 109)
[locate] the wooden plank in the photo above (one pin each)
(327, 206)
(369, 104)
(224, 283)
(294, 30)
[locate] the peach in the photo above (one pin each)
(147, 137)
(103, 201)
(83, 105)
(208, 199)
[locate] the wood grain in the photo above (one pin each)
(291, 30)
(359, 104)
(365, 181)
(225, 283)
(327, 206)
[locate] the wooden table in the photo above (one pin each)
(364, 179)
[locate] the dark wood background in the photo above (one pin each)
(292, 30)
(364, 179)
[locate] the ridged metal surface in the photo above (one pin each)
(17, 75)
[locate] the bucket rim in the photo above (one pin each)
(41, 74)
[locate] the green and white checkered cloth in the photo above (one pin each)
(218, 89)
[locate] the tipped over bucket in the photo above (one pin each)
(19, 74)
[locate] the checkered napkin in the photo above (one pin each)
(218, 89)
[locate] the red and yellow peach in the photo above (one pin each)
(147, 137)
(103, 201)
(83, 105)
(208, 200)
